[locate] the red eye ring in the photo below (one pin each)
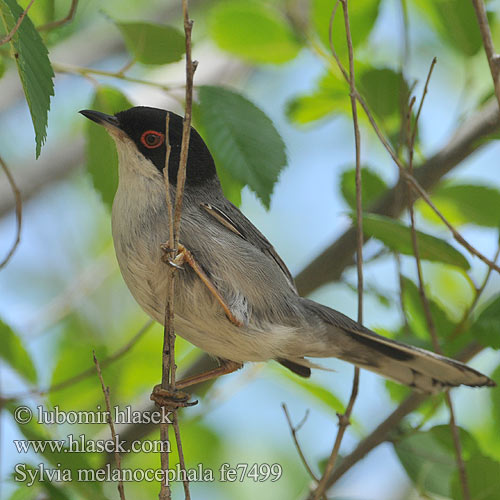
(152, 139)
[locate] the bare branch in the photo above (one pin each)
(489, 48)
(469, 137)
(423, 296)
(13, 31)
(344, 419)
(60, 22)
(168, 359)
(19, 212)
(118, 459)
(294, 430)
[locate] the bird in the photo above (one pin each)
(234, 297)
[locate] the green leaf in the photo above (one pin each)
(373, 186)
(486, 329)
(397, 237)
(467, 203)
(153, 43)
(242, 139)
(33, 65)
(14, 354)
(2, 67)
(483, 474)
(102, 158)
(255, 32)
(362, 17)
(428, 462)
(416, 316)
(455, 22)
(331, 96)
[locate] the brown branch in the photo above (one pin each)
(469, 137)
(13, 31)
(478, 292)
(344, 419)
(379, 435)
(294, 430)
(489, 48)
(421, 288)
(168, 358)
(64, 20)
(19, 212)
(118, 460)
(64, 384)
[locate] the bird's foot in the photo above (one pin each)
(178, 260)
(171, 399)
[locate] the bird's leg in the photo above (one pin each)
(225, 367)
(184, 255)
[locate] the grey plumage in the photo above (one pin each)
(276, 322)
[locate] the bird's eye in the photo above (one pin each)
(152, 139)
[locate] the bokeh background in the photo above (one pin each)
(62, 296)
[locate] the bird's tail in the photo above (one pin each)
(423, 370)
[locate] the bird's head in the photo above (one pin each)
(139, 134)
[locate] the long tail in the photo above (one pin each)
(423, 370)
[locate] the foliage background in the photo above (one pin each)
(62, 295)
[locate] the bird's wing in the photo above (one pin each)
(230, 216)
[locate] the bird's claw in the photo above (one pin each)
(171, 399)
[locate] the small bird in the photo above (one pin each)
(234, 297)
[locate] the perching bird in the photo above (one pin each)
(264, 318)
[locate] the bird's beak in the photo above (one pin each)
(109, 122)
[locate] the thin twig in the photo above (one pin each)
(118, 459)
(74, 379)
(478, 292)
(489, 48)
(168, 359)
(60, 22)
(409, 178)
(379, 435)
(421, 288)
(13, 31)
(19, 212)
(344, 419)
(294, 430)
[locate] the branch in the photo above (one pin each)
(118, 459)
(174, 220)
(13, 31)
(469, 137)
(379, 435)
(294, 431)
(19, 212)
(421, 288)
(64, 20)
(344, 419)
(489, 48)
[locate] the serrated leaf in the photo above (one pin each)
(102, 158)
(242, 139)
(14, 354)
(486, 329)
(331, 96)
(482, 479)
(362, 17)
(33, 65)
(373, 186)
(428, 463)
(397, 237)
(151, 43)
(467, 203)
(255, 32)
